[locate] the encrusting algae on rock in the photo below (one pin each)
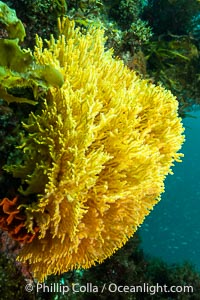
(96, 156)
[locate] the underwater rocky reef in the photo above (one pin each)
(87, 140)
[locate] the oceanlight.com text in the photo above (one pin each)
(106, 287)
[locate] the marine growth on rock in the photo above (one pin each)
(95, 156)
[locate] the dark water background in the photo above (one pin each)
(172, 230)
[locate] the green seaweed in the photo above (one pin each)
(14, 26)
(164, 57)
(16, 86)
(13, 57)
(19, 74)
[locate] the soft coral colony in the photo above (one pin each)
(95, 156)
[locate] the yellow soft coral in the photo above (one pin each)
(96, 156)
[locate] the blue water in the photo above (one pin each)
(172, 230)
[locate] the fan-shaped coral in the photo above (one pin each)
(96, 156)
